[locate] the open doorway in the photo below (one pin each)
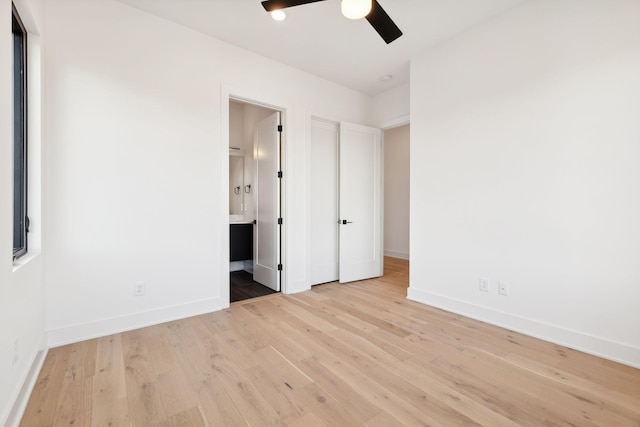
(255, 188)
(396, 189)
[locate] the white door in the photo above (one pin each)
(323, 194)
(267, 198)
(360, 188)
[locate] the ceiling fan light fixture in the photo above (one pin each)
(356, 9)
(279, 15)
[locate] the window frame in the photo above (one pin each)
(20, 140)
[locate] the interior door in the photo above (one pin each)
(267, 199)
(323, 195)
(360, 195)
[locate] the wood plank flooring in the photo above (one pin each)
(339, 355)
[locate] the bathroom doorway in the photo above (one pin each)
(255, 185)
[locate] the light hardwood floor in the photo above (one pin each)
(338, 355)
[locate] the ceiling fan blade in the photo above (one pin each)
(271, 5)
(383, 23)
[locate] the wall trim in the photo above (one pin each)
(396, 122)
(22, 399)
(100, 328)
(611, 350)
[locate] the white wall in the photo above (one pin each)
(22, 293)
(396, 192)
(525, 168)
(136, 166)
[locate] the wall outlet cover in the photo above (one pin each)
(139, 289)
(503, 288)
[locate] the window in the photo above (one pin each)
(20, 218)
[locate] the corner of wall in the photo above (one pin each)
(24, 392)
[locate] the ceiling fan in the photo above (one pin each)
(353, 9)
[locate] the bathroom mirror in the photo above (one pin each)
(236, 184)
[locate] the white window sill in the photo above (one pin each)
(24, 260)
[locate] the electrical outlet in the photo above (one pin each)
(139, 289)
(484, 284)
(16, 352)
(503, 288)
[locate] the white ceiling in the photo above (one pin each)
(316, 37)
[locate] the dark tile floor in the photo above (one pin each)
(244, 287)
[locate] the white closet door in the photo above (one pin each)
(324, 202)
(360, 198)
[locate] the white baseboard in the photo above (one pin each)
(241, 266)
(23, 395)
(295, 286)
(617, 352)
(101, 328)
(248, 266)
(236, 266)
(395, 254)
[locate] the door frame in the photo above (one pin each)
(226, 96)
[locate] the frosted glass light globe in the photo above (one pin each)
(279, 15)
(356, 9)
